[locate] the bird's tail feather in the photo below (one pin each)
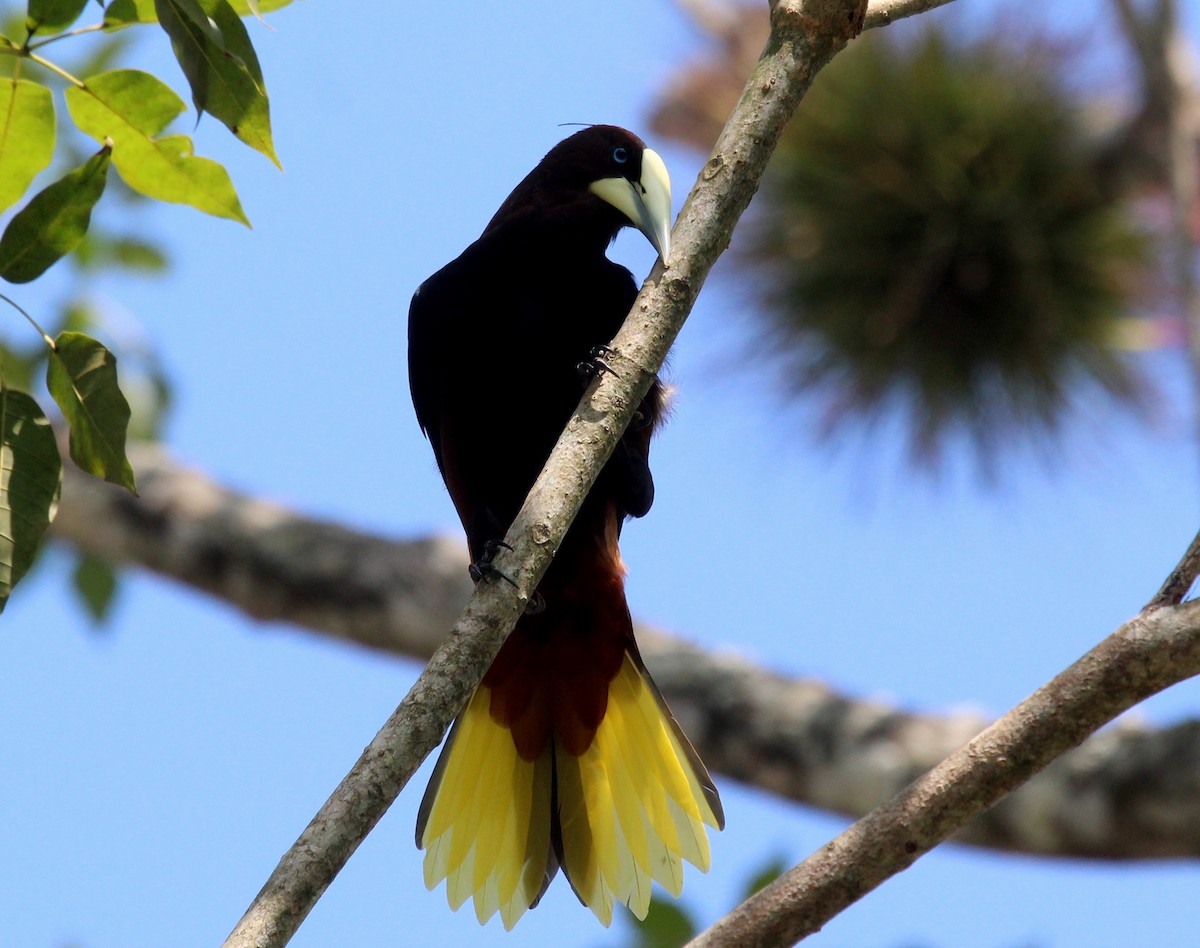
(624, 814)
(485, 819)
(633, 806)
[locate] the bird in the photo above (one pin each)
(566, 754)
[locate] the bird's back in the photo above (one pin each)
(495, 338)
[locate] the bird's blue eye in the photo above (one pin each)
(620, 154)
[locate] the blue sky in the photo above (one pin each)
(154, 771)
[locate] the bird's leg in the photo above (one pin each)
(594, 364)
(483, 567)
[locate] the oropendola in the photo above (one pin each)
(566, 754)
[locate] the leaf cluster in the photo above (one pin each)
(126, 113)
(935, 234)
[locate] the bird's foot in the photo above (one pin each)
(483, 567)
(594, 364)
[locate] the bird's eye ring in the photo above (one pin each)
(620, 154)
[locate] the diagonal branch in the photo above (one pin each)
(1156, 649)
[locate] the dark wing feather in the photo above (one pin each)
(424, 354)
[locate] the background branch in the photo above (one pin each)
(1172, 107)
(1128, 793)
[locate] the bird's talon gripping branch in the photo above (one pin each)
(483, 567)
(595, 365)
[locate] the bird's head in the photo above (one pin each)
(596, 170)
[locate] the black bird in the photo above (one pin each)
(566, 755)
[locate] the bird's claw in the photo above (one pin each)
(483, 567)
(594, 364)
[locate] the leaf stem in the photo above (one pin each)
(33, 322)
(29, 45)
(46, 64)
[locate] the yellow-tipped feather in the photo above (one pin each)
(487, 833)
(632, 809)
(640, 809)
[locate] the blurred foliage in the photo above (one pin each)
(670, 923)
(667, 925)
(95, 583)
(934, 236)
(771, 870)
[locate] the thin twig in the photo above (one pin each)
(46, 64)
(94, 28)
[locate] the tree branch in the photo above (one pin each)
(883, 12)
(1127, 794)
(1156, 649)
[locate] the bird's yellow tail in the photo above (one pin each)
(485, 820)
(624, 813)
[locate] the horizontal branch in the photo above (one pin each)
(1127, 794)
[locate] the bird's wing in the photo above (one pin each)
(422, 355)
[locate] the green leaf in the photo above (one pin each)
(195, 40)
(218, 59)
(53, 223)
(82, 378)
(254, 126)
(95, 581)
(30, 480)
(52, 16)
(666, 925)
(131, 107)
(250, 8)
(26, 136)
(122, 13)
